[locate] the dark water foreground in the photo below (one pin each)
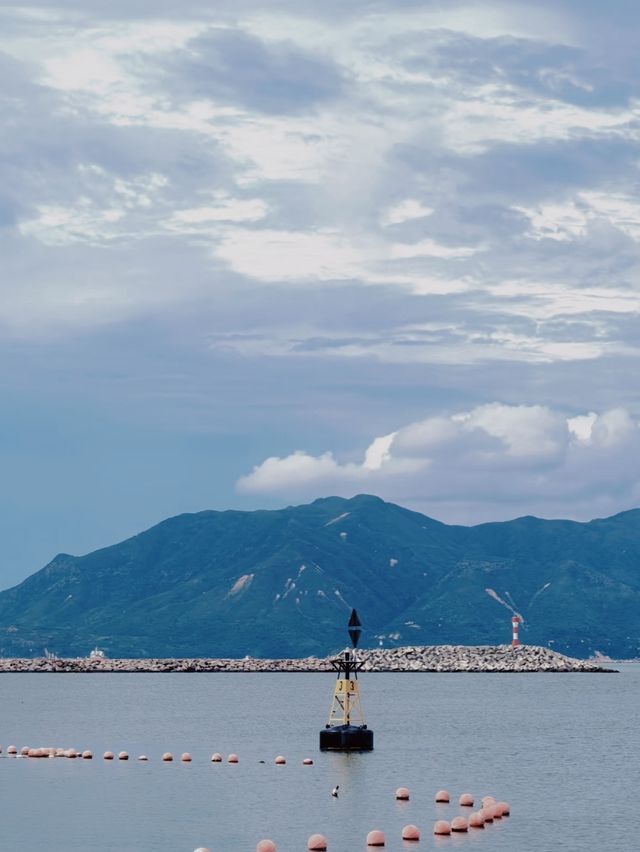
(561, 749)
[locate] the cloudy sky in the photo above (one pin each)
(255, 253)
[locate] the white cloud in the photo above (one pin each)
(405, 211)
(490, 462)
(224, 209)
(59, 226)
(430, 248)
(271, 255)
(99, 215)
(570, 219)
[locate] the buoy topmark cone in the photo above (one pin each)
(346, 729)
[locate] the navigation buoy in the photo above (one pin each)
(346, 729)
(466, 800)
(317, 842)
(411, 832)
(402, 794)
(375, 838)
(266, 846)
(441, 826)
(442, 796)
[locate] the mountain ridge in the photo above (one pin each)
(280, 583)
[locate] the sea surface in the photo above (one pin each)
(562, 749)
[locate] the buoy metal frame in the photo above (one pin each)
(346, 728)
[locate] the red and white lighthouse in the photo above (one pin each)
(515, 622)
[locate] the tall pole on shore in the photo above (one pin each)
(515, 623)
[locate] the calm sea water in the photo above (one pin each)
(561, 749)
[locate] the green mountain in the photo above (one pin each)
(281, 584)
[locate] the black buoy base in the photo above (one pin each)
(346, 738)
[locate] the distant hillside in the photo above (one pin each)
(281, 583)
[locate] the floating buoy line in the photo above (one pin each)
(491, 809)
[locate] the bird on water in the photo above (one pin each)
(334, 792)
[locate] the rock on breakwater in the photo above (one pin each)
(427, 658)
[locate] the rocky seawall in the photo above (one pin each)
(428, 658)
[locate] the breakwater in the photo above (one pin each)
(427, 658)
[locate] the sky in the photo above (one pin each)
(252, 254)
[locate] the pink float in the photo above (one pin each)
(143, 757)
(108, 755)
(280, 760)
(375, 838)
(71, 752)
(266, 846)
(167, 757)
(402, 794)
(12, 750)
(476, 820)
(441, 826)
(487, 800)
(233, 758)
(466, 800)
(24, 751)
(216, 758)
(459, 823)
(496, 810)
(504, 808)
(123, 756)
(411, 832)
(317, 842)
(442, 796)
(87, 755)
(186, 757)
(307, 762)
(486, 814)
